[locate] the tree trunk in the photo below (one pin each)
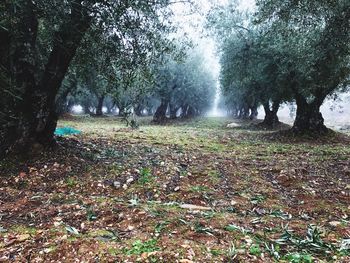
(253, 112)
(191, 112)
(308, 117)
(244, 112)
(271, 119)
(184, 110)
(173, 111)
(86, 108)
(160, 114)
(138, 110)
(62, 104)
(66, 43)
(99, 108)
(36, 113)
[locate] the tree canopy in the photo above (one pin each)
(39, 41)
(288, 51)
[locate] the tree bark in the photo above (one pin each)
(271, 119)
(99, 108)
(191, 112)
(160, 114)
(18, 60)
(244, 112)
(37, 117)
(138, 110)
(173, 111)
(308, 117)
(253, 112)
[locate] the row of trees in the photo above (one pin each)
(289, 51)
(54, 54)
(184, 89)
(181, 87)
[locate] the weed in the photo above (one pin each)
(214, 176)
(145, 176)
(255, 250)
(216, 252)
(257, 199)
(345, 245)
(71, 182)
(112, 153)
(25, 230)
(299, 258)
(139, 247)
(232, 252)
(90, 214)
(72, 230)
(199, 189)
(273, 250)
(233, 228)
(161, 226)
(108, 235)
(281, 214)
(312, 243)
(200, 228)
(134, 201)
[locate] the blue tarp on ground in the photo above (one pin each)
(66, 131)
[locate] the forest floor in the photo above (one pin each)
(185, 192)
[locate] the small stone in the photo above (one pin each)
(117, 184)
(248, 240)
(177, 188)
(233, 202)
(334, 223)
(125, 186)
(130, 180)
(241, 251)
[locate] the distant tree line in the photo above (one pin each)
(179, 87)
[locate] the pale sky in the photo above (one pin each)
(193, 26)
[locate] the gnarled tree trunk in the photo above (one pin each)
(253, 112)
(160, 114)
(308, 117)
(173, 111)
(99, 108)
(271, 119)
(36, 115)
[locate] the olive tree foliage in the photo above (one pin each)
(251, 76)
(296, 51)
(38, 41)
(314, 37)
(238, 55)
(184, 87)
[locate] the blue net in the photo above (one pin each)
(66, 131)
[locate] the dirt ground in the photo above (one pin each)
(184, 192)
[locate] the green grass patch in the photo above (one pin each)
(139, 247)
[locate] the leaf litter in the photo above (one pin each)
(187, 192)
